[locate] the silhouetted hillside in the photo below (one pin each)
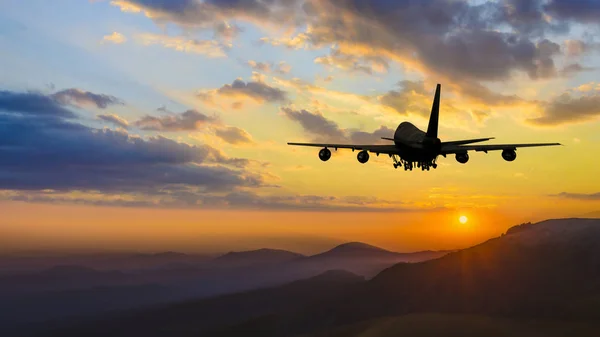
(255, 258)
(99, 261)
(363, 259)
(198, 318)
(60, 278)
(40, 295)
(549, 271)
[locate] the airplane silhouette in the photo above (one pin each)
(414, 147)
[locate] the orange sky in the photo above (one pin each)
(27, 226)
(183, 109)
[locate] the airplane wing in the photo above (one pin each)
(450, 148)
(386, 149)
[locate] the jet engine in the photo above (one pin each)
(509, 155)
(363, 157)
(462, 158)
(324, 154)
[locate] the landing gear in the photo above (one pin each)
(397, 161)
(408, 166)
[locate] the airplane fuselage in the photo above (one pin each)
(414, 145)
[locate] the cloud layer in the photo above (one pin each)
(43, 146)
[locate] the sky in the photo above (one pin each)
(162, 125)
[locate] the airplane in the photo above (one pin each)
(413, 147)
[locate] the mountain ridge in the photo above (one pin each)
(528, 273)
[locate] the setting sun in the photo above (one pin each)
(463, 219)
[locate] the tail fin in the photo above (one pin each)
(432, 128)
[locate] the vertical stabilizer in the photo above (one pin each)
(432, 128)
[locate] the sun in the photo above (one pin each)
(463, 219)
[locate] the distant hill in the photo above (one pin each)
(255, 258)
(544, 272)
(100, 261)
(203, 317)
(60, 278)
(174, 276)
(362, 258)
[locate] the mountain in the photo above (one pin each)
(255, 258)
(535, 278)
(203, 317)
(40, 295)
(99, 261)
(362, 258)
(59, 278)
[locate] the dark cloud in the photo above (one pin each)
(527, 16)
(569, 109)
(488, 56)
(81, 97)
(459, 40)
(362, 137)
(256, 90)
(578, 10)
(233, 135)
(115, 120)
(315, 124)
(186, 121)
(32, 103)
(47, 150)
(328, 131)
(578, 196)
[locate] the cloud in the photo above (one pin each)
(256, 90)
(281, 68)
(315, 123)
(574, 68)
(353, 63)
(47, 156)
(575, 47)
(362, 137)
(233, 135)
(185, 121)
(82, 98)
(184, 197)
(114, 119)
(225, 30)
(578, 196)
(408, 99)
(50, 150)
(569, 108)
(33, 104)
(115, 37)
(328, 131)
(208, 48)
(580, 11)
(454, 40)
(209, 14)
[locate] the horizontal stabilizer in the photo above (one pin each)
(467, 141)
